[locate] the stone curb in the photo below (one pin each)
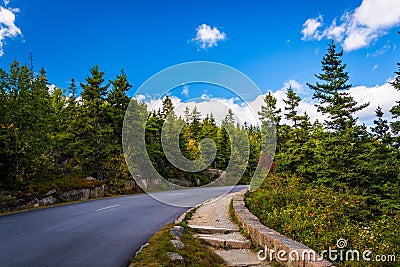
(271, 239)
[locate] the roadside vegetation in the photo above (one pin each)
(195, 253)
(331, 179)
(55, 138)
(334, 179)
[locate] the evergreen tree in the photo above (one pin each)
(381, 129)
(115, 169)
(167, 108)
(269, 112)
(331, 93)
(395, 110)
(195, 124)
(292, 102)
(93, 126)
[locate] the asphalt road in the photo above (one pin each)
(105, 232)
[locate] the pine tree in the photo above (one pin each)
(331, 93)
(292, 102)
(381, 129)
(195, 124)
(168, 107)
(269, 112)
(93, 128)
(115, 169)
(395, 110)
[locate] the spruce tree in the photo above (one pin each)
(269, 112)
(381, 129)
(331, 92)
(292, 102)
(395, 110)
(167, 108)
(94, 129)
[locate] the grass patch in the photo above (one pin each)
(195, 253)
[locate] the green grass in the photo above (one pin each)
(195, 252)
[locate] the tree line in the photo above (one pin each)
(52, 138)
(334, 179)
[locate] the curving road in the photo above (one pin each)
(105, 232)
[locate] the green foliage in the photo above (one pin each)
(50, 140)
(395, 110)
(337, 181)
(318, 216)
(331, 92)
(194, 253)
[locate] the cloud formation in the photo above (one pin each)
(185, 90)
(380, 95)
(8, 29)
(310, 28)
(358, 28)
(207, 36)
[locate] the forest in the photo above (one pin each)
(337, 177)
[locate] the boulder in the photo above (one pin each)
(51, 192)
(176, 232)
(47, 201)
(75, 195)
(175, 257)
(83, 194)
(33, 203)
(97, 192)
(177, 244)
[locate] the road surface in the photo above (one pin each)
(105, 232)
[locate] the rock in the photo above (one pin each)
(176, 232)
(179, 228)
(175, 257)
(90, 178)
(47, 201)
(75, 195)
(178, 244)
(97, 192)
(51, 192)
(83, 194)
(33, 203)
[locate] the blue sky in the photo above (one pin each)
(275, 43)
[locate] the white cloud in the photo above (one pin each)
(359, 28)
(383, 95)
(207, 36)
(6, 2)
(296, 86)
(381, 51)
(310, 28)
(380, 95)
(185, 90)
(8, 29)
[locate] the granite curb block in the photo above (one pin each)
(266, 237)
